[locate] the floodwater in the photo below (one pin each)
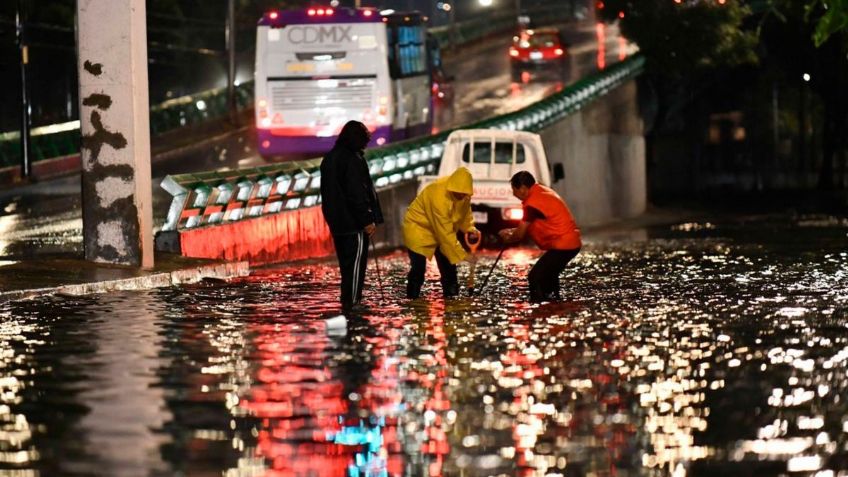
(702, 348)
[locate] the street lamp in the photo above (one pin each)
(26, 122)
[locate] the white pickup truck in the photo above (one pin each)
(493, 156)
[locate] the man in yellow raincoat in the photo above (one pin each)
(430, 226)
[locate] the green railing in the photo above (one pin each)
(212, 198)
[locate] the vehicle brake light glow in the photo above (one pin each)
(513, 52)
(311, 12)
(367, 13)
(559, 51)
(274, 15)
(514, 213)
(320, 11)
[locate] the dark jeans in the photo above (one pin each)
(415, 278)
(352, 252)
(544, 276)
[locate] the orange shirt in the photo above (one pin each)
(555, 229)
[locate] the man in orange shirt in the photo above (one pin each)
(549, 223)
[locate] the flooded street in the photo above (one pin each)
(703, 348)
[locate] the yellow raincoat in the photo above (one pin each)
(434, 217)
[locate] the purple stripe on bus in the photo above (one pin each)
(318, 146)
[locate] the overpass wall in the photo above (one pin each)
(602, 153)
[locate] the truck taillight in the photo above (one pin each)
(513, 213)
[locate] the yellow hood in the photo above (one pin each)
(460, 181)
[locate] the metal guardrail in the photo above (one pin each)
(217, 197)
(198, 108)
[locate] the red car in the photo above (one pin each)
(539, 46)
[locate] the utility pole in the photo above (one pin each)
(231, 67)
(117, 201)
(26, 122)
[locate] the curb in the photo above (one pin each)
(221, 271)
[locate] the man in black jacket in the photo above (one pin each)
(350, 207)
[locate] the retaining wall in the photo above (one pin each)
(602, 153)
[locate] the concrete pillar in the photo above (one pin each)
(114, 113)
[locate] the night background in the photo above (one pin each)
(747, 96)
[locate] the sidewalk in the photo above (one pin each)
(71, 275)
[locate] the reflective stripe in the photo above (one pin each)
(356, 265)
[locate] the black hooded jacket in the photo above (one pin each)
(348, 198)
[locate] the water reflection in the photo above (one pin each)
(698, 349)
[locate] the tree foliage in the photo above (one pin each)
(831, 17)
(679, 37)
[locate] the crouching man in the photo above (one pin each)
(551, 226)
(430, 226)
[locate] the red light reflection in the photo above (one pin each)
(600, 30)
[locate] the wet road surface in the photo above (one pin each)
(45, 219)
(700, 348)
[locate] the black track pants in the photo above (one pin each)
(418, 265)
(544, 276)
(352, 252)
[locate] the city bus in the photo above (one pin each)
(318, 68)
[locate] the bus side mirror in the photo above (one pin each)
(559, 172)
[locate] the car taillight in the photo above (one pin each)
(513, 213)
(274, 15)
(559, 51)
(513, 52)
